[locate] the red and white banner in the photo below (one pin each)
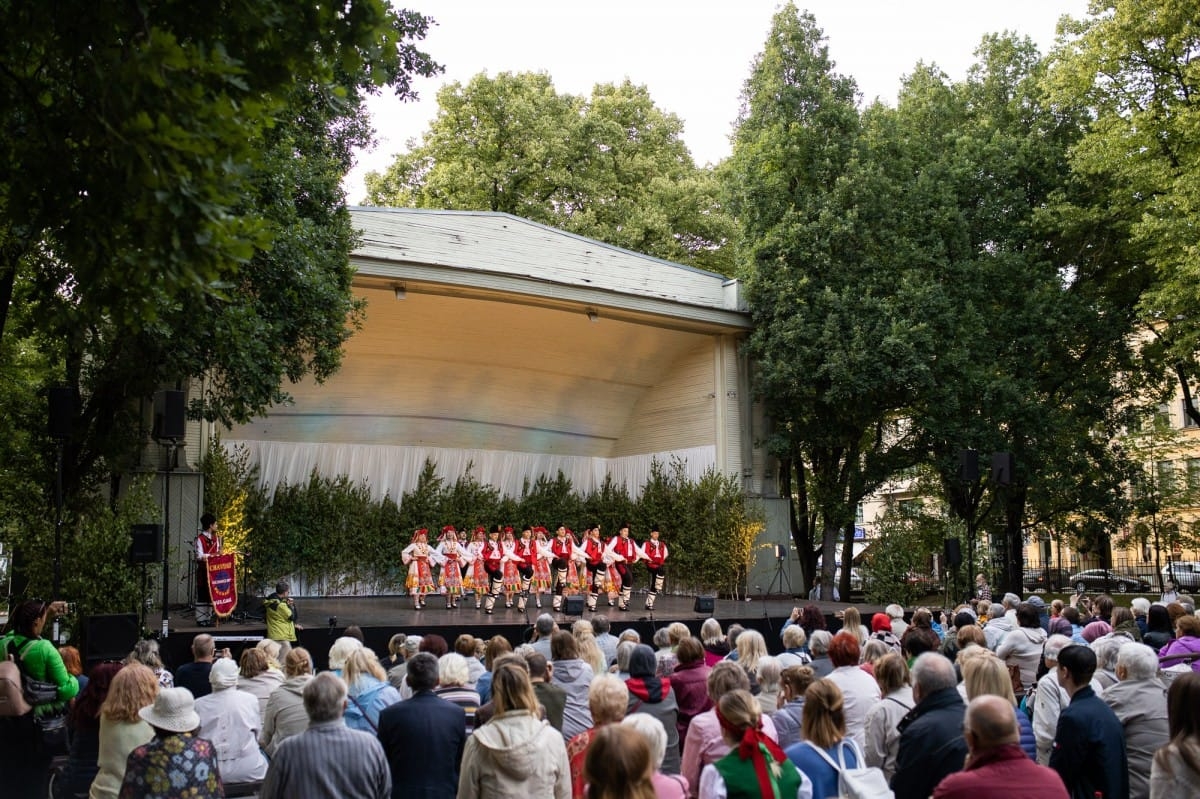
(222, 585)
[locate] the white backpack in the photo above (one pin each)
(862, 782)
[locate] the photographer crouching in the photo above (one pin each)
(281, 614)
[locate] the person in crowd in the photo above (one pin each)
(516, 753)
(624, 652)
(1175, 772)
(768, 683)
(574, 675)
(793, 681)
(731, 635)
(355, 632)
(194, 676)
(452, 686)
(705, 742)
(754, 765)
(230, 719)
(122, 730)
(920, 637)
(74, 665)
(328, 760)
(997, 627)
(412, 645)
(931, 739)
(1089, 743)
(751, 649)
(988, 676)
(1049, 698)
(996, 767)
(497, 645)
(795, 647)
(280, 610)
(256, 677)
(818, 645)
(881, 729)
(1139, 701)
(607, 700)
(83, 724)
(285, 715)
(1124, 623)
(690, 684)
(589, 650)
(1169, 594)
(1158, 628)
(852, 623)
(23, 761)
(716, 647)
(1022, 647)
(664, 654)
(963, 620)
(367, 690)
(881, 630)
(341, 649)
(1075, 619)
(825, 738)
(619, 765)
(859, 690)
(544, 627)
(177, 761)
(146, 652)
(1185, 648)
(395, 655)
(653, 695)
(604, 638)
(899, 625)
(1094, 630)
(550, 696)
(423, 737)
(666, 786)
(1106, 648)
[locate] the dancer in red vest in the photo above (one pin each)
(595, 563)
(654, 552)
(493, 563)
(623, 551)
(563, 549)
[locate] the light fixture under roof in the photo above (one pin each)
(400, 291)
(593, 315)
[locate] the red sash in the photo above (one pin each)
(221, 584)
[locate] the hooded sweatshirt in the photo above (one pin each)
(653, 696)
(575, 676)
(515, 756)
(285, 715)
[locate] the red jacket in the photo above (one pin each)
(1002, 773)
(527, 552)
(656, 553)
(595, 551)
(562, 547)
(492, 555)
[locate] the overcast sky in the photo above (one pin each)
(693, 55)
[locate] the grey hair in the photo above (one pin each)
(819, 641)
(630, 635)
(1106, 649)
(324, 698)
(654, 733)
(1055, 644)
(933, 672)
(1139, 661)
(453, 670)
(624, 653)
(895, 611)
(995, 610)
(1140, 605)
(412, 645)
(662, 638)
(793, 636)
(1011, 600)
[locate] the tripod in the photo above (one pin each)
(781, 574)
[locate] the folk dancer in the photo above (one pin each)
(654, 552)
(477, 574)
(623, 551)
(493, 563)
(419, 557)
(563, 564)
(454, 558)
(208, 545)
(527, 555)
(542, 582)
(595, 564)
(511, 567)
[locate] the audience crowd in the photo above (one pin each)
(991, 699)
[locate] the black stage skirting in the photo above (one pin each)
(381, 617)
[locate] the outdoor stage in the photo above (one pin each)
(381, 617)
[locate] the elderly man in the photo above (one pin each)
(544, 627)
(423, 737)
(931, 739)
(194, 676)
(1140, 702)
(998, 625)
(1089, 744)
(328, 760)
(997, 767)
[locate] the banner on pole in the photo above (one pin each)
(221, 584)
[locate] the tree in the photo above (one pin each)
(1133, 66)
(847, 323)
(612, 167)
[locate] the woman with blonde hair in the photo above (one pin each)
(852, 623)
(145, 652)
(619, 765)
(589, 650)
(367, 691)
(987, 675)
(716, 647)
(516, 753)
(793, 681)
(285, 715)
(751, 648)
(825, 740)
(755, 766)
(121, 728)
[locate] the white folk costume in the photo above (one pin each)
(510, 567)
(477, 578)
(654, 552)
(455, 558)
(623, 551)
(542, 581)
(419, 557)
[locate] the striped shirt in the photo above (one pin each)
(329, 760)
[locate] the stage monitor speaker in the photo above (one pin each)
(1002, 468)
(573, 605)
(704, 604)
(968, 466)
(170, 415)
(62, 411)
(953, 552)
(109, 637)
(146, 546)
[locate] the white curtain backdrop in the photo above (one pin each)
(392, 471)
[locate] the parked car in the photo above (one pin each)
(856, 583)
(1098, 580)
(1046, 578)
(1185, 574)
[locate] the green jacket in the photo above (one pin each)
(281, 619)
(741, 781)
(41, 660)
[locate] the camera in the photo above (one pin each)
(70, 609)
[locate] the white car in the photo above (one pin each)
(1186, 574)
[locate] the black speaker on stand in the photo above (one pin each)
(573, 605)
(952, 549)
(109, 637)
(145, 547)
(704, 604)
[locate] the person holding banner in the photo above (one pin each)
(208, 545)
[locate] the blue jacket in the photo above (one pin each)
(369, 697)
(1028, 741)
(1089, 748)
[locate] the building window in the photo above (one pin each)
(1188, 421)
(1166, 476)
(858, 511)
(1193, 474)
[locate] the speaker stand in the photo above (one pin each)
(781, 577)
